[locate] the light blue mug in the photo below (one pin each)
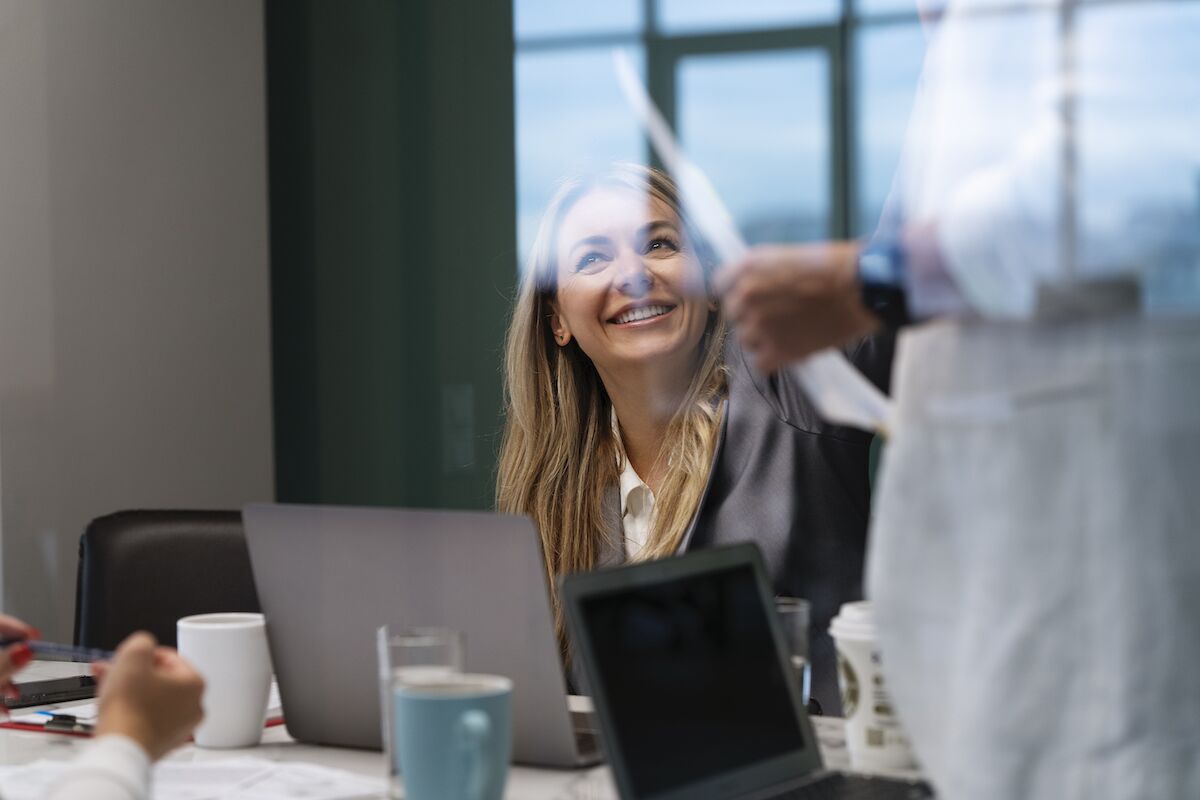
(453, 737)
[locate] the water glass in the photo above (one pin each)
(411, 657)
(793, 618)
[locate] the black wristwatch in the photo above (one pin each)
(881, 283)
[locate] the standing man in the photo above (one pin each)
(1035, 556)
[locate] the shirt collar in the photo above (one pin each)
(630, 483)
(629, 480)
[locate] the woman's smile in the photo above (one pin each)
(640, 316)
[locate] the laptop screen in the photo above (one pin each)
(692, 679)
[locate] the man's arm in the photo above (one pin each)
(789, 301)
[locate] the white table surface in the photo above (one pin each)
(524, 783)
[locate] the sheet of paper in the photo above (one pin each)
(840, 393)
(231, 779)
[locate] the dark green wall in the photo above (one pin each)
(392, 247)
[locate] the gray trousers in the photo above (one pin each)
(1035, 557)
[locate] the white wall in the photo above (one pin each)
(134, 305)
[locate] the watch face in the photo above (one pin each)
(880, 266)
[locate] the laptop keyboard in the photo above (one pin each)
(841, 786)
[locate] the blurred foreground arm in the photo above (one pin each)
(149, 704)
(789, 301)
(15, 656)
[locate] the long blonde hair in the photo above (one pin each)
(559, 456)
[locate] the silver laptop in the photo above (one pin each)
(328, 577)
(692, 685)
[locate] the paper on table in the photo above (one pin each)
(230, 779)
(841, 394)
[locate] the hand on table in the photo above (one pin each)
(150, 694)
(15, 656)
(787, 302)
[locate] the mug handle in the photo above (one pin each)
(474, 736)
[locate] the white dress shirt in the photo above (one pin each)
(637, 500)
(637, 507)
(113, 767)
(985, 154)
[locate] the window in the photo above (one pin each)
(798, 110)
(571, 118)
(533, 19)
(693, 16)
(768, 160)
(713, 68)
(888, 62)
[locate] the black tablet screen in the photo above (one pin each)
(691, 676)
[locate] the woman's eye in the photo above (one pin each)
(590, 262)
(662, 245)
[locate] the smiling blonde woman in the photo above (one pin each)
(635, 427)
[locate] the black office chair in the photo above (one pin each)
(143, 570)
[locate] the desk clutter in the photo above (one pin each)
(79, 719)
(226, 779)
(693, 651)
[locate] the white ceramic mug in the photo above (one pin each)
(230, 652)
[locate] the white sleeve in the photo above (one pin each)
(999, 229)
(988, 157)
(113, 767)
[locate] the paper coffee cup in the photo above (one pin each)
(230, 653)
(874, 737)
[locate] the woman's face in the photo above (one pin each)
(630, 288)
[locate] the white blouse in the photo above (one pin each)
(637, 501)
(113, 767)
(637, 507)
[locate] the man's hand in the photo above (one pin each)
(149, 694)
(789, 301)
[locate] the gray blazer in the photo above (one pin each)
(795, 485)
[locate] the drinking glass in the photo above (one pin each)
(793, 618)
(410, 657)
